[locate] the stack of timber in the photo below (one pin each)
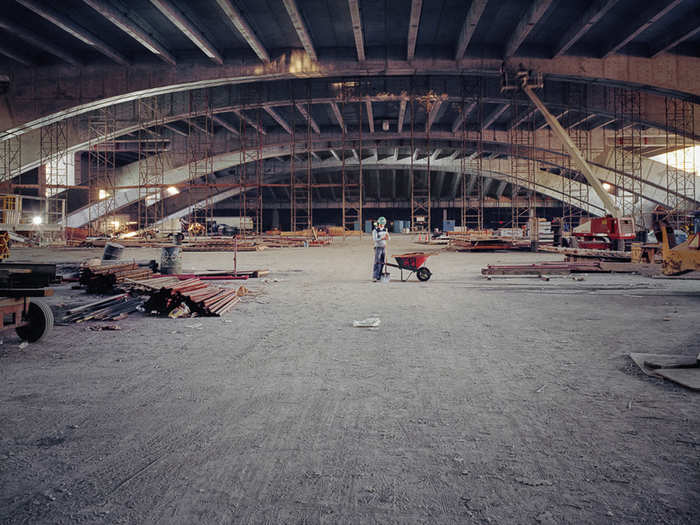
(573, 254)
(191, 297)
(112, 308)
(99, 278)
(544, 268)
(221, 244)
(545, 235)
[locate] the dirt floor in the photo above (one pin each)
(503, 401)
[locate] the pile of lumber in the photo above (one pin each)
(112, 308)
(191, 297)
(222, 244)
(586, 253)
(101, 278)
(544, 268)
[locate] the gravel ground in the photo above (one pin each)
(503, 401)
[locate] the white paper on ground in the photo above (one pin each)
(370, 322)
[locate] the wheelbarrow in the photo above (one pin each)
(412, 263)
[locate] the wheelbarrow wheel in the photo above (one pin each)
(40, 322)
(423, 274)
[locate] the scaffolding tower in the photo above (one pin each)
(199, 153)
(102, 190)
(472, 208)
(419, 180)
(301, 200)
(522, 167)
(10, 161)
(628, 152)
(351, 180)
(576, 191)
(680, 169)
(150, 163)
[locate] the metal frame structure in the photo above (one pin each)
(102, 189)
(150, 163)
(680, 176)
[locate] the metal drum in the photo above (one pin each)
(112, 251)
(170, 260)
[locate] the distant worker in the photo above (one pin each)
(380, 236)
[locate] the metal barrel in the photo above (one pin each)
(170, 260)
(112, 251)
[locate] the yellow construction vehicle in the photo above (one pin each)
(678, 259)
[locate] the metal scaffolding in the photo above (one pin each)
(680, 174)
(419, 180)
(102, 191)
(55, 170)
(300, 183)
(351, 180)
(10, 161)
(522, 167)
(150, 163)
(576, 191)
(199, 155)
(628, 152)
(471, 208)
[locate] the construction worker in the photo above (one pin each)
(380, 236)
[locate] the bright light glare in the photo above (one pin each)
(116, 224)
(36, 220)
(172, 190)
(101, 194)
(129, 235)
(606, 186)
(685, 159)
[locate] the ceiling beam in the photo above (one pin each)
(249, 121)
(595, 12)
(493, 117)
(283, 123)
(38, 41)
(354, 6)
(338, 116)
(194, 124)
(402, 115)
(16, 56)
(175, 129)
(688, 29)
(221, 122)
(462, 116)
(526, 116)
(187, 28)
(581, 120)
(557, 116)
(630, 29)
(309, 118)
(74, 30)
(335, 154)
(300, 27)
(476, 9)
(370, 115)
(606, 122)
(432, 115)
(413, 25)
(527, 23)
(235, 17)
(131, 28)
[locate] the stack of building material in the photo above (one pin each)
(544, 268)
(221, 244)
(545, 235)
(99, 278)
(110, 309)
(175, 298)
(573, 254)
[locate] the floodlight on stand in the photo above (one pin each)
(172, 190)
(37, 220)
(606, 186)
(102, 194)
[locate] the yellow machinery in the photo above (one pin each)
(682, 258)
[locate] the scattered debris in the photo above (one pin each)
(23, 345)
(534, 482)
(112, 308)
(681, 369)
(105, 327)
(540, 389)
(101, 279)
(370, 322)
